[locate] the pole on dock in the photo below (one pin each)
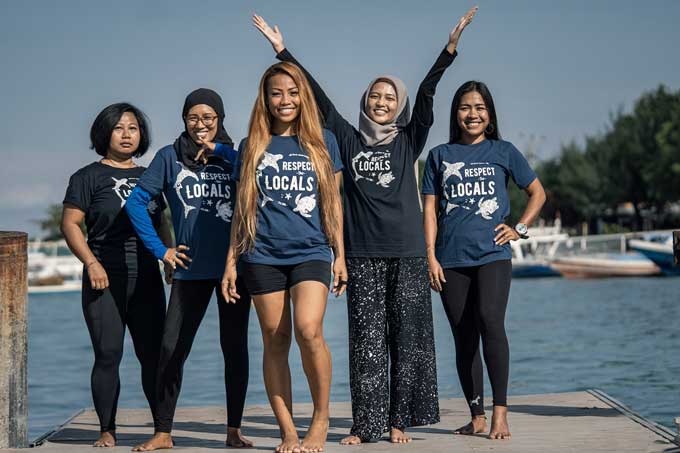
(676, 247)
(13, 340)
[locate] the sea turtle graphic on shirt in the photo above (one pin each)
(152, 207)
(223, 210)
(385, 179)
(487, 207)
(305, 205)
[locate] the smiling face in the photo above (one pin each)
(472, 116)
(382, 103)
(201, 123)
(283, 99)
(125, 136)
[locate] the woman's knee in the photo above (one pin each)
(276, 341)
(309, 336)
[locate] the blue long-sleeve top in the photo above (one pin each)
(201, 203)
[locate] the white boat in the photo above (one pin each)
(605, 265)
(658, 249)
(52, 268)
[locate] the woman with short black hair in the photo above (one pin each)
(122, 284)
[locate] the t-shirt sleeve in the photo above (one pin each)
(79, 190)
(155, 178)
(430, 175)
(520, 170)
(226, 152)
(333, 150)
(236, 171)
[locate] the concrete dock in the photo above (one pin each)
(588, 421)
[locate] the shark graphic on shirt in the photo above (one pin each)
(119, 184)
(181, 176)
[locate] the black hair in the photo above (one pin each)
(102, 128)
(491, 132)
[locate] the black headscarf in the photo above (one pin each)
(185, 147)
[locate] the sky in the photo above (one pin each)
(557, 69)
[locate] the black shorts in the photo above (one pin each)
(265, 278)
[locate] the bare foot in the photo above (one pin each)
(477, 425)
(159, 441)
(236, 440)
(398, 436)
(106, 439)
(290, 443)
(350, 440)
(315, 440)
(499, 423)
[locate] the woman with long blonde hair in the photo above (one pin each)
(288, 218)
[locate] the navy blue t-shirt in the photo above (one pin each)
(289, 227)
(471, 182)
(202, 205)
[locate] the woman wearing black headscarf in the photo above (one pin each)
(201, 195)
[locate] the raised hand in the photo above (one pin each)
(454, 36)
(274, 36)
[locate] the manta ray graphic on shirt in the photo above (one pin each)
(270, 160)
(452, 169)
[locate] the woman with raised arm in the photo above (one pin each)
(122, 284)
(393, 376)
(288, 218)
(201, 194)
(468, 244)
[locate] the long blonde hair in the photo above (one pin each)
(310, 136)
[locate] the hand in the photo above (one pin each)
(229, 285)
(169, 272)
(454, 36)
(339, 276)
(436, 274)
(505, 234)
(203, 154)
(97, 274)
(175, 256)
(274, 36)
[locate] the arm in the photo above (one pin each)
(339, 265)
(166, 236)
(136, 209)
(71, 219)
(332, 118)
(423, 116)
(536, 195)
(230, 273)
(220, 150)
(436, 273)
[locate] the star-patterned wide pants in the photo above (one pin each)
(393, 373)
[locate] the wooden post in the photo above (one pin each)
(13, 340)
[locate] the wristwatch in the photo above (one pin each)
(522, 230)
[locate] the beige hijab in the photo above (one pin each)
(374, 134)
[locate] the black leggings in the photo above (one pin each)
(135, 302)
(188, 302)
(475, 299)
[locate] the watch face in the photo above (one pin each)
(521, 228)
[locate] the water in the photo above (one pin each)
(618, 335)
